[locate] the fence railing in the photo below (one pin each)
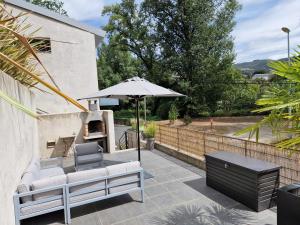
(196, 143)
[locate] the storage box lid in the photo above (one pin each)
(255, 165)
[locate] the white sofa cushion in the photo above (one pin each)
(123, 168)
(25, 186)
(120, 182)
(34, 167)
(47, 183)
(51, 172)
(87, 175)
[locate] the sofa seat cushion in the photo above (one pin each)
(92, 158)
(87, 175)
(88, 196)
(51, 172)
(40, 207)
(25, 186)
(47, 183)
(125, 182)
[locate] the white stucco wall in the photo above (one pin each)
(19, 142)
(72, 62)
(53, 128)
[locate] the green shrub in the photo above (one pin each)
(187, 119)
(150, 130)
(218, 113)
(133, 124)
(173, 114)
(204, 114)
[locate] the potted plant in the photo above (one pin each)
(149, 134)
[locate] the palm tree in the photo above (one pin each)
(282, 103)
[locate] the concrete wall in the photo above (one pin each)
(72, 62)
(19, 142)
(54, 128)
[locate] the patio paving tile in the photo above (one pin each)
(155, 190)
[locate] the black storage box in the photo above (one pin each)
(249, 181)
(288, 205)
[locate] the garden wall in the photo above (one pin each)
(19, 142)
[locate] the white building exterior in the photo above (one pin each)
(72, 60)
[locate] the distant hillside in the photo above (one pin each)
(255, 65)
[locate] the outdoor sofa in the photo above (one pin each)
(44, 190)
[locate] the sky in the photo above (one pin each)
(257, 34)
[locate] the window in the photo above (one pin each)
(41, 45)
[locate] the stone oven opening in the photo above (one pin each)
(95, 126)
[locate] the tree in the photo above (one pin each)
(53, 5)
(183, 45)
(115, 65)
(130, 28)
(196, 46)
(238, 98)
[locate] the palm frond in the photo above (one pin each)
(18, 105)
(18, 57)
(278, 101)
(38, 79)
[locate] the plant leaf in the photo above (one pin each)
(18, 105)
(46, 84)
(31, 50)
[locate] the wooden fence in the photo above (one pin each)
(196, 143)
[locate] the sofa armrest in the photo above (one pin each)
(52, 162)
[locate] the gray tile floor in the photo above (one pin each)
(176, 195)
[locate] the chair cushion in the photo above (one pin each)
(25, 186)
(86, 159)
(47, 183)
(87, 148)
(40, 207)
(124, 182)
(87, 175)
(51, 172)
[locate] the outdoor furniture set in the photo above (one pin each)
(45, 188)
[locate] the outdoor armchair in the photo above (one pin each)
(88, 156)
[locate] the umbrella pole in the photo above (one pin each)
(138, 127)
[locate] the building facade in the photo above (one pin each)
(70, 57)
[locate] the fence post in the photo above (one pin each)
(246, 153)
(126, 140)
(204, 136)
(177, 138)
(159, 131)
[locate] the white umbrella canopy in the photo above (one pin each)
(136, 88)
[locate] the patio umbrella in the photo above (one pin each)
(134, 88)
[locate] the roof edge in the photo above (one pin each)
(56, 16)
